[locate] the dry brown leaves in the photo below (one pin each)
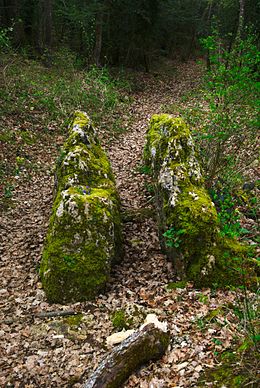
(53, 352)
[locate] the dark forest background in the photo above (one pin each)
(121, 32)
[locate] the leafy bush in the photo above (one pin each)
(5, 42)
(227, 213)
(226, 121)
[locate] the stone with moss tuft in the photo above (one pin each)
(187, 217)
(84, 237)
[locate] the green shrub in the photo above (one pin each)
(225, 117)
(5, 42)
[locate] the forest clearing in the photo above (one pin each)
(212, 322)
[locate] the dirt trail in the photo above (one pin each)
(56, 352)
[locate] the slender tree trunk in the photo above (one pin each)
(210, 8)
(98, 43)
(45, 24)
(48, 22)
(192, 43)
(241, 19)
(240, 29)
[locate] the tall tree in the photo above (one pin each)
(45, 24)
(241, 19)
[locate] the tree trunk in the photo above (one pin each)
(240, 19)
(45, 24)
(208, 29)
(98, 43)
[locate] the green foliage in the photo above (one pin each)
(203, 298)
(228, 214)
(120, 320)
(102, 91)
(144, 169)
(36, 99)
(28, 87)
(5, 42)
(175, 285)
(227, 121)
(227, 203)
(239, 368)
(173, 237)
(149, 187)
(8, 190)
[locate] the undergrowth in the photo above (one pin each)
(223, 113)
(37, 101)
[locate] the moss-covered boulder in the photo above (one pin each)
(84, 236)
(187, 218)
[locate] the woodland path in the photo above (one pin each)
(56, 352)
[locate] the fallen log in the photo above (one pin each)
(145, 345)
(51, 314)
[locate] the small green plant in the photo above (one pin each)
(70, 261)
(173, 237)
(203, 298)
(227, 212)
(7, 136)
(143, 169)
(149, 188)
(120, 321)
(175, 285)
(217, 341)
(200, 322)
(5, 42)
(8, 190)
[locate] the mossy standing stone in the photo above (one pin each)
(84, 237)
(187, 217)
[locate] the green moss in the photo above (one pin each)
(84, 237)
(83, 161)
(184, 207)
(175, 285)
(80, 245)
(161, 128)
(80, 167)
(225, 375)
(236, 369)
(74, 320)
(120, 320)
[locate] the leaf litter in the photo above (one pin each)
(63, 351)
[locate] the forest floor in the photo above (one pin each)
(63, 351)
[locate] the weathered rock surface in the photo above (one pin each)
(84, 236)
(187, 218)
